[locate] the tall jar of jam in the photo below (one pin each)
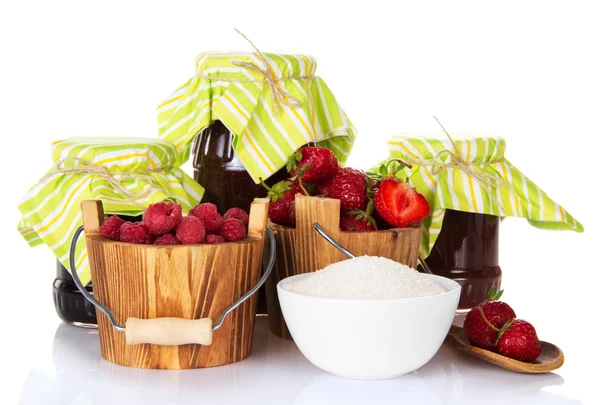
(466, 251)
(225, 179)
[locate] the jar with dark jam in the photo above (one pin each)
(466, 251)
(226, 182)
(224, 178)
(71, 305)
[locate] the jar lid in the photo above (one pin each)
(468, 172)
(272, 103)
(127, 174)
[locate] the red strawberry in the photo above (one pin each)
(399, 204)
(349, 222)
(349, 186)
(517, 339)
(282, 197)
(320, 164)
(483, 322)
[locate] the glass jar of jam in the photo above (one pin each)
(466, 251)
(71, 305)
(225, 179)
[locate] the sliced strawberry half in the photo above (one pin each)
(399, 204)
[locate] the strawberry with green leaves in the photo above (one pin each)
(483, 322)
(281, 206)
(320, 164)
(398, 203)
(359, 221)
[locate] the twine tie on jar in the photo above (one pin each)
(114, 178)
(456, 161)
(279, 95)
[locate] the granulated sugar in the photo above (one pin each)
(366, 278)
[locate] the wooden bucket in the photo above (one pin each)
(302, 250)
(189, 282)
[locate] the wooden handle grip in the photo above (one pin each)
(168, 331)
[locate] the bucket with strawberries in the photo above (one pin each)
(370, 214)
(175, 291)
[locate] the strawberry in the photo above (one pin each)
(483, 322)
(350, 222)
(359, 221)
(399, 204)
(282, 195)
(349, 186)
(320, 164)
(517, 339)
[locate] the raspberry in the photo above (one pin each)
(110, 227)
(135, 232)
(210, 217)
(190, 230)
(203, 209)
(237, 213)
(232, 230)
(162, 217)
(211, 239)
(167, 239)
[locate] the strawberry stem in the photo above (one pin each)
(503, 329)
(262, 183)
(486, 321)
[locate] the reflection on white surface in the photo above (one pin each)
(275, 373)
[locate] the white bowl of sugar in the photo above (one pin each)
(368, 317)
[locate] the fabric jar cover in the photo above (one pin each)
(453, 187)
(146, 169)
(267, 130)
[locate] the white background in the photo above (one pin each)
(527, 71)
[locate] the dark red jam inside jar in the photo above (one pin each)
(224, 178)
(71, 305)
(466, 251)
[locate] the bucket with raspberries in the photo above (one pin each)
(175, 291)
(375, 214)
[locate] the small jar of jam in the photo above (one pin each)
(466, 251)
(71, 306)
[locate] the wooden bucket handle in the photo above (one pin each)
(171, 331)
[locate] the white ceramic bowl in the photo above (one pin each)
(369, 339)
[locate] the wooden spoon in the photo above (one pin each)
(550, 359)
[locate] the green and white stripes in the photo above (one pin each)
(454, 188)
(264, 139)
(51, 211)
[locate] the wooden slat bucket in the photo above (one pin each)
(156, 284)
(302, 250)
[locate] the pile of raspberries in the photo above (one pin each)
(163, 224)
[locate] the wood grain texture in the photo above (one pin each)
(183, 281)
(549, 360)
(302, 250)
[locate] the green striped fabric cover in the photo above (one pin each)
(51, 211)
(454, 189)
(263, 139)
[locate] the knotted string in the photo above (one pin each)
(279, 95)
(114, 178)
(456, 161)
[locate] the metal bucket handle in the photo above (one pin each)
(169, 331)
